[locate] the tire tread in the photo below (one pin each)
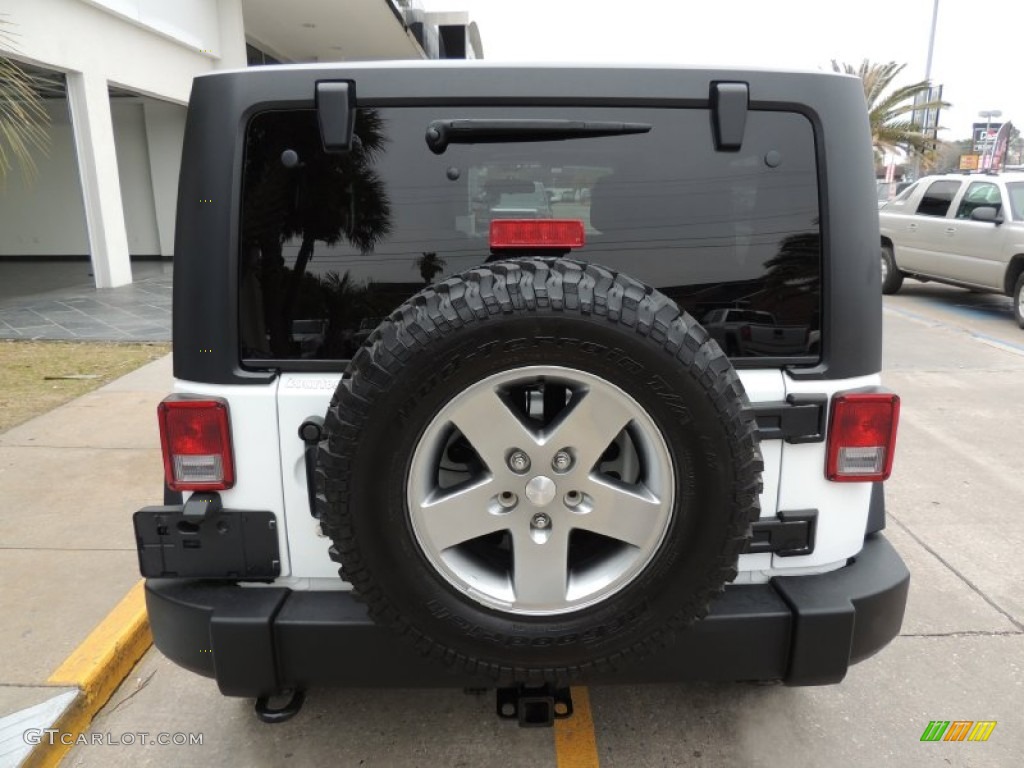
(481, 295)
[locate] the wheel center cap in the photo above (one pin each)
(540, 491)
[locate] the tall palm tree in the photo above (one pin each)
(315, 197)
(23, 117)
(430, 266)
(891, 109)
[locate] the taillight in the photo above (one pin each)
(195, 435)
(745, 332)
(862, 436)
(536, 233)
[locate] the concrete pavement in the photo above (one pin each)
(57, 300)
(69, 483)
(957, 360)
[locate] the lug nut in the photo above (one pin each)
(541, 521)
(518, 462)
(507, 499)
(561, 462)
(573, 498)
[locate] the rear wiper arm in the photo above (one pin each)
(441, 133)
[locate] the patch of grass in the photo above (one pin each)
(31, 372)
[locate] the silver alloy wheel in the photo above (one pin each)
(885, 268)
(543, 555)
(1020, 303)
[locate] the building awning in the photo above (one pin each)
(330, 30)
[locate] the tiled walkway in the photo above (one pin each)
(58, 301)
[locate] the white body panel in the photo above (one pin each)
(270, 472)
(842, 507)
(800, 484)
(252, 411)
(301, 395)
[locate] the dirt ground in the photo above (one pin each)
(36, 376)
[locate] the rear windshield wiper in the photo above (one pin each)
(441, 133)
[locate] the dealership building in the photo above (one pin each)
(116, 75)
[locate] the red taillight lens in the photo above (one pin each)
(195, 435)
(745, 332)
(862, 436)
(537, 233)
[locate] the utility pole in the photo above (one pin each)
(931, 41)
(928, 75)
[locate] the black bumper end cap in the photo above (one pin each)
(844, 616)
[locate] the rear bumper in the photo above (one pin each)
(804, 630)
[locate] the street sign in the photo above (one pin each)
(984, 135)
(969, 162)
(927, 119)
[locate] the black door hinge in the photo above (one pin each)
(729, 105)
(800, 419)
(788, 535)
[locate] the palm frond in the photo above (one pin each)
(889, 106)
(24, 121)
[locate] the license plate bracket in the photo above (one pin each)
(233, 545)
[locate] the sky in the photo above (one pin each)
(978, 55)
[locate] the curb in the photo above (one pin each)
(97, 667)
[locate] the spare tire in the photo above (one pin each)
(537, 468)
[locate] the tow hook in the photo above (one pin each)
(266, 714)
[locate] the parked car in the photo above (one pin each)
(309, 334)
(965, 230)
(755, 333)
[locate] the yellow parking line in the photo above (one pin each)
(575, 742)
(110, 652)
(96, 668)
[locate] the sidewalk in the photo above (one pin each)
(69, 483)
(58, 301)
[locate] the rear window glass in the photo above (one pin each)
(905, 190)
(332, 243)
(937, 198)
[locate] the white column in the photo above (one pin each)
(101, 188)
(165, 131)
(232, 35)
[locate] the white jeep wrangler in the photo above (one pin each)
(531, 463)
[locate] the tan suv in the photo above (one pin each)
(958, 229)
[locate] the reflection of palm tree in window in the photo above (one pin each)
(294, 190)
(796, 267)
(792, 284)
(430, 266)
